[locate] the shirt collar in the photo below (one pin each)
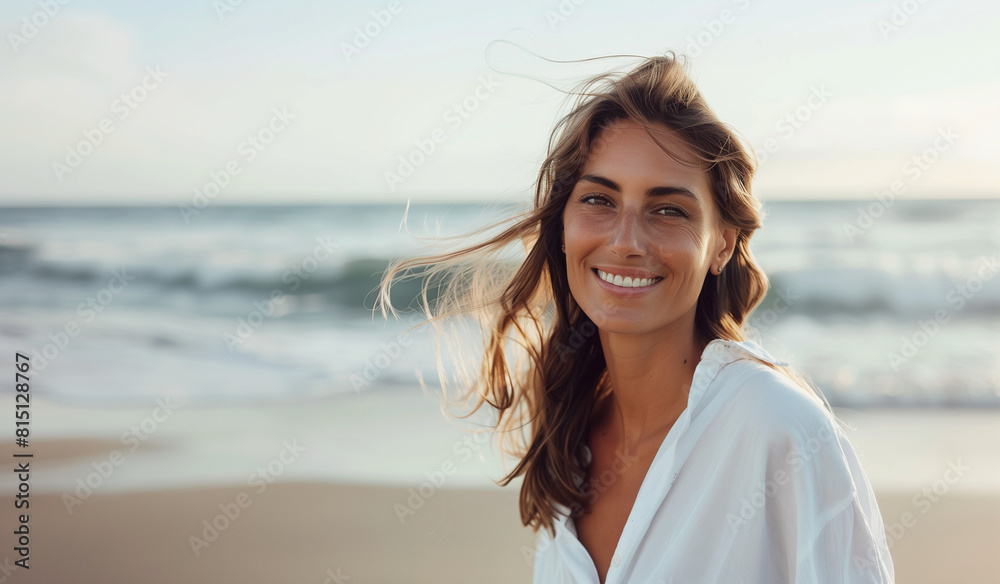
(727, 351)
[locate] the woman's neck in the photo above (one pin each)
(650, 378)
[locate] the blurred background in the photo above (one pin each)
(198, 199)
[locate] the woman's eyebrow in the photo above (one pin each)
(652, 192)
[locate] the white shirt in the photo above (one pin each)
(755, 483)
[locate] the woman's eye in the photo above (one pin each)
(675, 211)
(597, 200)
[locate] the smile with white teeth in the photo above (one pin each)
(626, 282)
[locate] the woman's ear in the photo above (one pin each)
(729, 248)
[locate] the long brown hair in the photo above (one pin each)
(542, 366)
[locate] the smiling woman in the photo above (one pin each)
(661, 444)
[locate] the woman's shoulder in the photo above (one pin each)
(797, 455)
(774, 405)
(793, 434)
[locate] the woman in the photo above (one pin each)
(661, 444)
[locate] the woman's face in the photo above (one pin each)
(647, 223)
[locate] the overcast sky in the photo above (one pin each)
(254, 101)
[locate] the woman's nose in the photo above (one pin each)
(626, 235)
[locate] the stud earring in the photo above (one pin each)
(564, 248)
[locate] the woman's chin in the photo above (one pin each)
(623, 325)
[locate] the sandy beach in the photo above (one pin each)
(331, 533)
(292, 529)
(291, 533)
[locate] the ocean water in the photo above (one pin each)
(245, 304)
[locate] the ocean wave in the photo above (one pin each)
(817, 291)
(828, 291)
